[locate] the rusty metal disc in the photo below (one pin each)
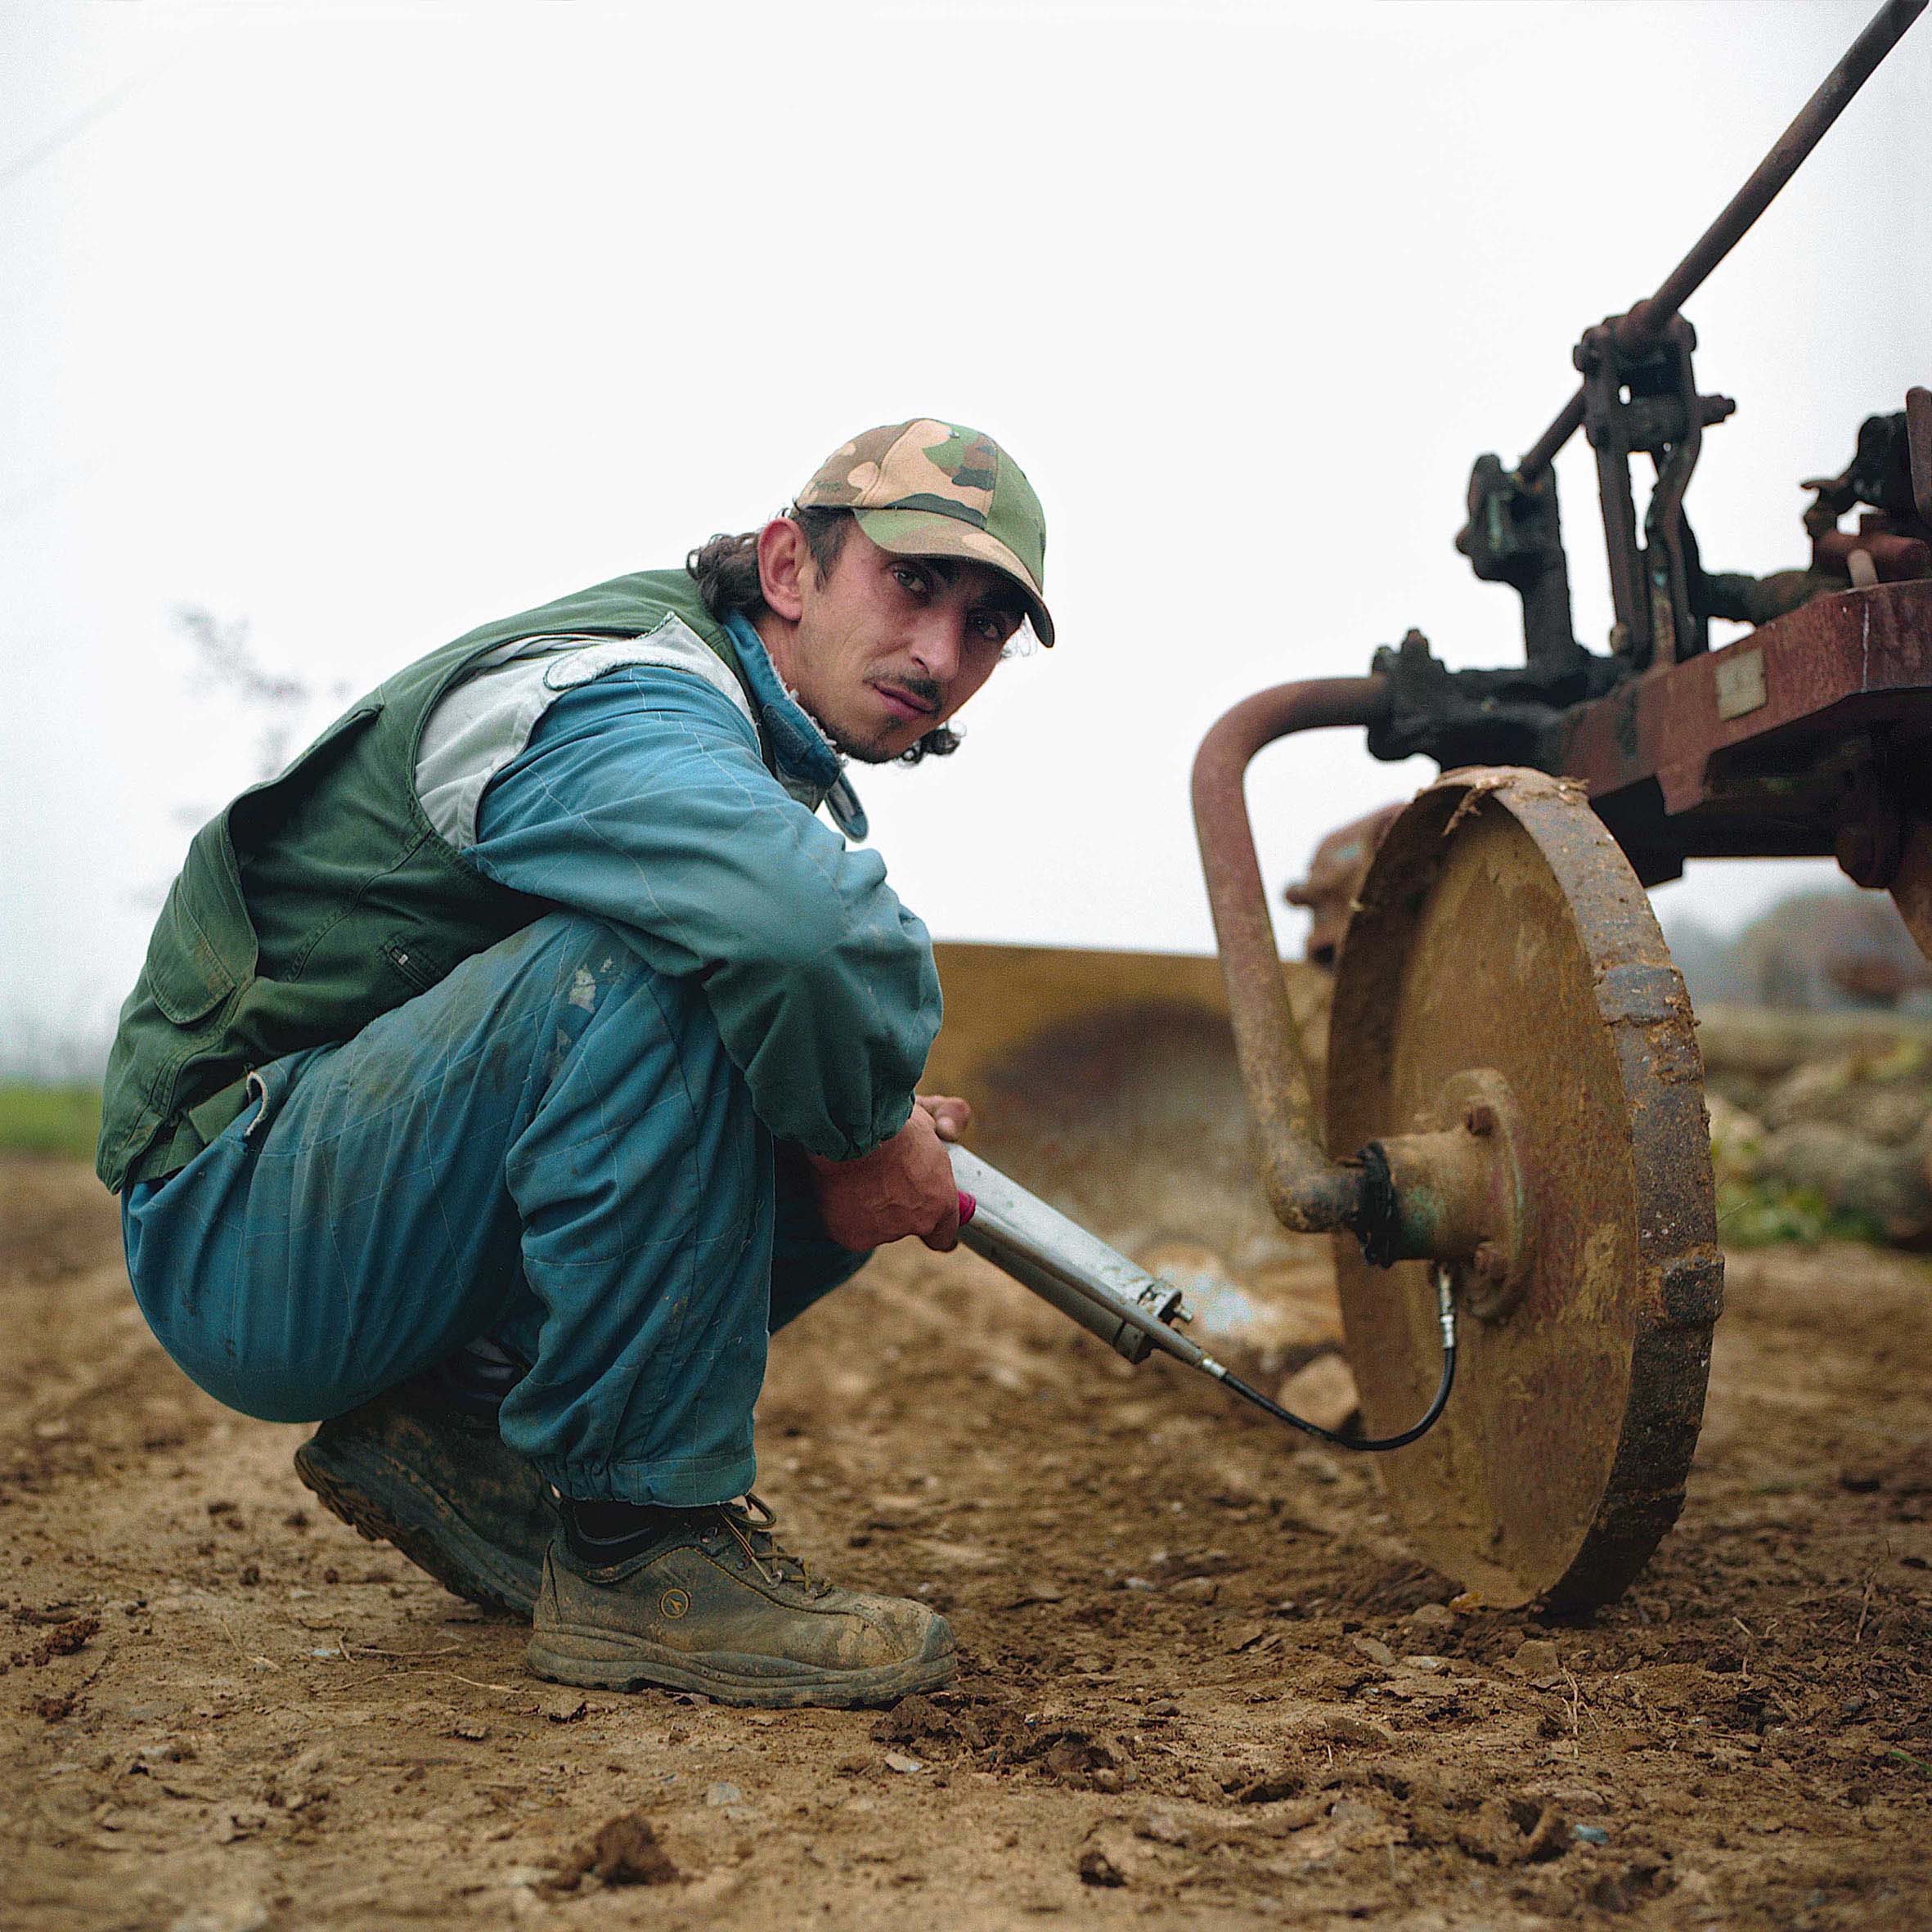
(1502, 946)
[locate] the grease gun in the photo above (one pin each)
(1134, 1313)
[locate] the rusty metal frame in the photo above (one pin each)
(1810, 735)
(1750, 750)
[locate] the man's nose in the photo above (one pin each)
(935, 643)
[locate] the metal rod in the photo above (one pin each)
(1306, 1192)
(1882, 33)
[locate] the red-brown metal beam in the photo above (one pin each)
(1851, 658)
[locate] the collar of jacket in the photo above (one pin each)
(803, 759)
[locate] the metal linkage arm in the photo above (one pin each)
(1647, 319)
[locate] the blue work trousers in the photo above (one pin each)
(551, 1148)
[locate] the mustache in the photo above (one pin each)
(924, 690)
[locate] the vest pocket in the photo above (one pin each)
(184, 972)
(416, 963)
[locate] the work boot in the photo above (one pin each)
(419, 1470)
(715, 1605)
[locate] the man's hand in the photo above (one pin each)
(951, 1117)
(905, 1187)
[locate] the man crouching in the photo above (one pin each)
(505, 1071)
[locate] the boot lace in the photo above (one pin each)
(752, 1525)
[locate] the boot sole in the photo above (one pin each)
(644, 1667)
(437, 1539)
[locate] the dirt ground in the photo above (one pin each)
(1206, 1684)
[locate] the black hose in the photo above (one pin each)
(1370, 1445)
(1361, 1445)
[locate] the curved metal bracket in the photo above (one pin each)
(1306, 1191)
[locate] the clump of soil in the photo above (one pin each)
(63, 1640)
(625, 1852)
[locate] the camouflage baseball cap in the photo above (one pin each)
(930, 489)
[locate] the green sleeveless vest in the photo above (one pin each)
(325, 897)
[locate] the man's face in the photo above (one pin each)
(887, 647)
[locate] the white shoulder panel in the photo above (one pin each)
(481, 725)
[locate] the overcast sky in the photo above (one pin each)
(366, 323)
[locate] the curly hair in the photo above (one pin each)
(726, 571)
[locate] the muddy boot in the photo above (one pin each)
(715, 1605)
(417, 1470)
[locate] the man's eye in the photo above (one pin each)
(992, 627)
(909, 578)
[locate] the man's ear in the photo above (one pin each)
(785, 567)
